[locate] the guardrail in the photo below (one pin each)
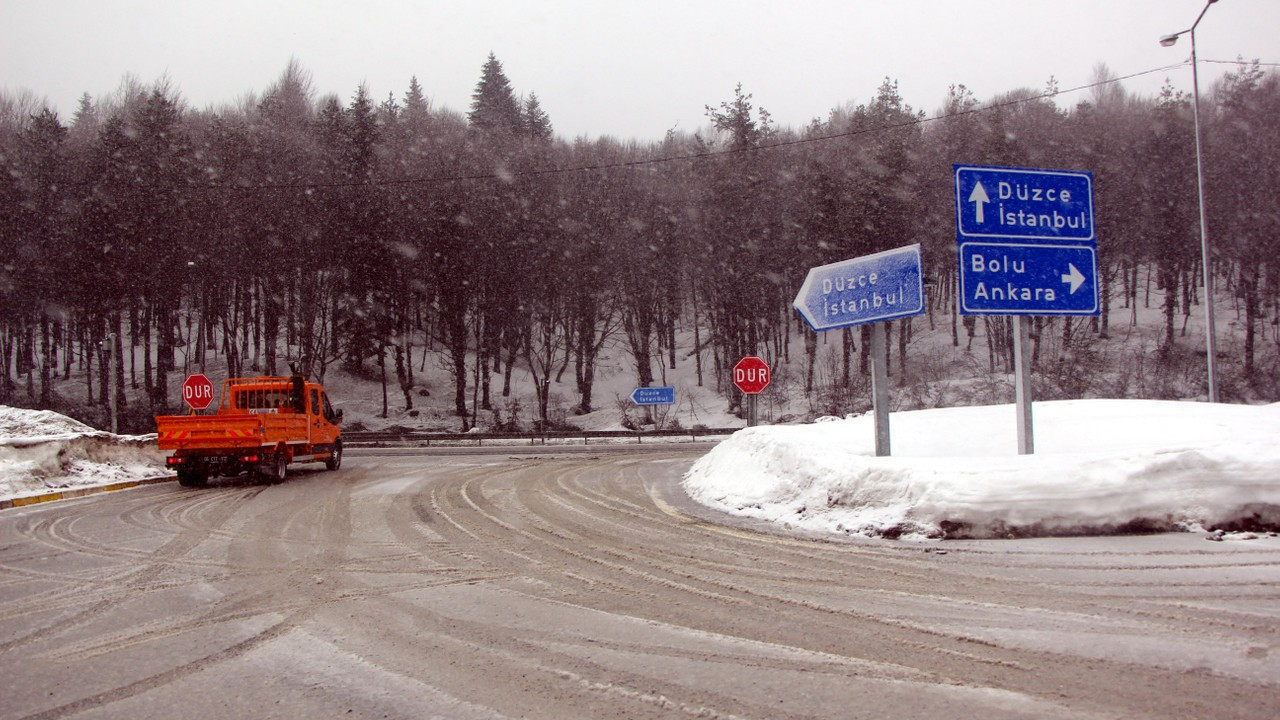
(427, 439)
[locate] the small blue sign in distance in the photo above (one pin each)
(873, 288)
(999, 278)
(654, 396)
(1023, 204)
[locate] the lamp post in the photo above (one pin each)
(1210, 335)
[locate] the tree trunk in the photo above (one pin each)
(382, 371)
(1249, 287)
(46, 380)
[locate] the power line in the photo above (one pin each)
(1248, 63)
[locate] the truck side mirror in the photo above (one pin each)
(338, 416)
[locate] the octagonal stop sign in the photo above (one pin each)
(751, 375)
(197, 391)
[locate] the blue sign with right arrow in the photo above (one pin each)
(1027, 241)
(1028, 279)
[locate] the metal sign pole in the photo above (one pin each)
(751, 413)
(880, 388)
(1022, 384)
(111, 383)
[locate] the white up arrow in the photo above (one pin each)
(1074, 277)
(979, 198)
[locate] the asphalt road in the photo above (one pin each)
(585, 585)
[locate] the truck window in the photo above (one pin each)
(328, 409)
(315, 401)
(297, 394)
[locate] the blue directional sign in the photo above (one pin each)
(1023, 204)
(872, 288)
(654, 396)
(999, 278)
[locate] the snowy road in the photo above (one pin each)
(587, 585)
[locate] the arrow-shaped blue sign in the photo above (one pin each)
(872, 288)
(654, 396)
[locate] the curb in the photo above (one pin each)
(24, 501)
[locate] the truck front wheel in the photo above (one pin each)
(335, 458)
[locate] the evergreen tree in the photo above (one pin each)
(1243, 180)
(1169, 160)
(416, 105)
(495, 111)
(537, 124)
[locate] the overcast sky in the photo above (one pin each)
(626, 69)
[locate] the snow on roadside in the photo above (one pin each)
(41, 450)
(1100, 467)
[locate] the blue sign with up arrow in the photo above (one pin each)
(1023, 203)
(1027, 241)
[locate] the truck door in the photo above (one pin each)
(313, 422)
(330, 418)
(323, 432)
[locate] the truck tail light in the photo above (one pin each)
(176, 460)
(250, 458)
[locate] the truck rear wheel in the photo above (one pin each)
(335, 459)
(273, 471)
(192, 478)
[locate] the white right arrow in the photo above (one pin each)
(1074, 277)
(979, 198)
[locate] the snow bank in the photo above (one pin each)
(42, 450)
(1101, 466)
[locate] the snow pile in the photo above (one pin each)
(42, 450)
(1100, 466)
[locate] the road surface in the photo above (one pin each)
(586, 585)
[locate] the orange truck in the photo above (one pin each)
(262, 424)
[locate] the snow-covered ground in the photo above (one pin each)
(1100, 466)
(41, 450)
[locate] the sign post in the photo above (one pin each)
(880, 389)
(1027, 246)
(751, 375)
(197, 391)
(869, 289)
(1022, 384)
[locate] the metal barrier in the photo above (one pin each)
(379, 438)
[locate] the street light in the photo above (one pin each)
(1211, 342)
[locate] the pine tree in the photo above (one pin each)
(288, 100)
(416, 105)
(537, 124)
(494, 108)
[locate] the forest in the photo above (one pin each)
(295, 227)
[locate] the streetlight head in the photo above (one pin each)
(1169, 40)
